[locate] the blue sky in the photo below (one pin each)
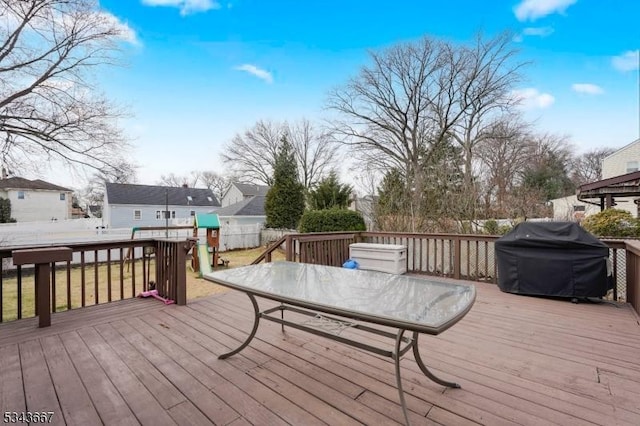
(199, 71)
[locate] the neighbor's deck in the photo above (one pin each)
(519, 360)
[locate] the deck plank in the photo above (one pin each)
(40, 393)
(111, 407)
(520, 360)
(11, 385)
(75, 403)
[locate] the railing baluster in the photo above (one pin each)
(109, 275)
(53, 287)
(121, 273)
(19, 290)
(68, 284)
(132, 262)
(82, 279)
(95, 277)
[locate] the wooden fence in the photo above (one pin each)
(459, 256)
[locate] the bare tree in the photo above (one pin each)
(191, 180)
(587, 167)
(93, 192)
(314, 151)
(252, 155)
(504, 153)
(215, 182)
(49, 107)
(416, 98)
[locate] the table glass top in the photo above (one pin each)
(400, 298)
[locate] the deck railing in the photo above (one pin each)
(459, 256)
(95, 273)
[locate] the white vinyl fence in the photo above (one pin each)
(90, 230)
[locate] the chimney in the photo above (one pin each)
(184, 185)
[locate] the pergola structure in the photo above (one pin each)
(606, 190)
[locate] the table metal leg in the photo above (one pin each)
(256, 321)
(396, 357)
(425, 370)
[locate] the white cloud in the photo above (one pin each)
(587, 88)
(187, 7)
(531, 98)
(628, 61)
(530, 10)
(258, 72)
(125, 32)
(538, 31)
(533, 31)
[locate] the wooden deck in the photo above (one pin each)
(520, 360)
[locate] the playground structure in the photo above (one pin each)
(210, 247)
(205, 254)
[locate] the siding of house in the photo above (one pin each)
(122, 215)
(563, 208)
(623, 161)
(617, 163)
(39, 205)
(232, 196)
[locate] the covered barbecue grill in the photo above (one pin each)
(552, 259)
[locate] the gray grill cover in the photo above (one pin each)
(552, 259)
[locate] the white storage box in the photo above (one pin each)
(389, 258)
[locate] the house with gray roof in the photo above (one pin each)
(128, 205)
(36, 200)
(241, 191)
(246, 212)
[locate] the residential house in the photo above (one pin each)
(625, 160)
(571, 209)
(366, 207)
(246, 212)
(36, 200)
(127, 205)
(619, 187)
(240, 191)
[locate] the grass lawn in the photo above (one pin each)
(196, 286)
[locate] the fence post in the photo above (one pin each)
(42, 259)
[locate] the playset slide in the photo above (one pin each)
(203, 255)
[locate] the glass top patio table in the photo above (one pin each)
(407, 302)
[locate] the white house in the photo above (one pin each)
(249, 211)
(623, 161)
(36, 200)
(241, 191)
(128, 206)
(571, 209)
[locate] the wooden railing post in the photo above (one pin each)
(290, 256)
(457, 258)
(42, 259)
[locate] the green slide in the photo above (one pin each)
(203, 259)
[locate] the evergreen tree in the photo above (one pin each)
(284, 203)
(5, 211)
(329, 193)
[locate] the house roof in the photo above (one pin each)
(250, 189)
(622, 149)
(253, 206)
(627, 185)
(124, 193)
(22, 183)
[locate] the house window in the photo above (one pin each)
(632, 166)
(137, 215)
(193, 212)
(63, 196)
(20, 195)
(164, 214)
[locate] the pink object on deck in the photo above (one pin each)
(154, 294)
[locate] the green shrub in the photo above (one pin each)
(612, 223)
(491, 227)
(331, 220)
